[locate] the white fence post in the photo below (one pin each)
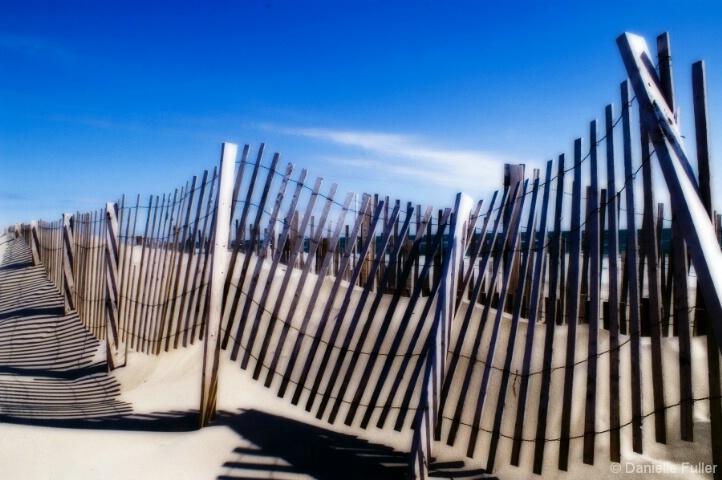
(219, 267)
(34, 242)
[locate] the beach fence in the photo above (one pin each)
(503, 327)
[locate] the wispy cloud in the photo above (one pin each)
(31, 45)
(411, 157)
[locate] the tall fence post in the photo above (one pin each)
(68, 258)
(116, 346)
(427, 413)
(34, 242)
(699, 89)
(219, 270)
(696, 226)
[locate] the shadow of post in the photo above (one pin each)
(317, 452)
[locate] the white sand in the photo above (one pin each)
(171, 383)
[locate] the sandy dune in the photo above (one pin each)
(62, 416)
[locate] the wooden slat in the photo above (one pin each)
(161, 246)
(202, 303)
(314, 242)
(583, 315)
(540, 440)
(572, 308)
(509, 271)
(255, 229)
(399, 238)
(90, 269)
(536, 293)
(594, 304)
(297, 250)
(434, 245)
(140, 333)
(237, 184)
(240, 242)
(82, 248)
(180, 254)
(188, 255)
(468, 375)
(358, 309)
(653, 287)
(324, 270)
(79, 235)
(159, 298)
(632, 275)
(502, 393)
(409, 266)
(613, 289)
(93, 296)
(153, 275)
(198, 276)
(371, 226)
(665, 277)
(260, 259)
(173, 272)
(699, 89)
(464, 328)
(603, 200)
(428, 411)
(344, 265)
(126, 254)
(476, 249)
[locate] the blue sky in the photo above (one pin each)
(415, 100)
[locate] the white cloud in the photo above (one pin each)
(410, 157)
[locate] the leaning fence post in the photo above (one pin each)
(694, 220)
(219, 270)
(116, 347)
(68, 255)
(426, 415)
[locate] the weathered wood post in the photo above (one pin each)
(696, 225)
(219, 270)
(513, 174)
(427, 413)
(68, 257)
(34, 242)
(116, 347)
(699, 88)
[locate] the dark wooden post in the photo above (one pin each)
(594, 306)
(426, 415)
(699, 88)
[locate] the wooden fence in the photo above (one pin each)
(446, 321)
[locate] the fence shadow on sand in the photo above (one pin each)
(317, 452)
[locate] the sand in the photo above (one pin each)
(258, 435)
